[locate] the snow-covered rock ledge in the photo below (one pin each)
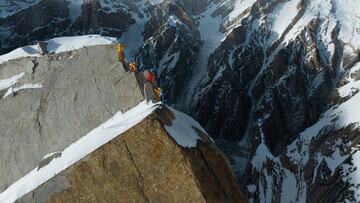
(183, 129)
(58, 45)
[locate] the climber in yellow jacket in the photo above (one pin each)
(157, 92)
(133, 67)
(120, 50)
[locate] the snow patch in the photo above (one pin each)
(352, 85)
(283, 16)
(183, 129)
(13, 90)
(315, 9)
(289, 187)
(239, 7)
(6, 83)
(58, 45)
(347, 13)
(173, 21)
(251, 188)
(155, 2)
(335, 160)
(169, 60)
(262, 155)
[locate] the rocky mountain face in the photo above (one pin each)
(55, 100)
(275, 82)
(78, 118)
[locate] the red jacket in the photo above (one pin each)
(150, 77)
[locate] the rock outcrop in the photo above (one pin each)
(145, 164)
(76, 91)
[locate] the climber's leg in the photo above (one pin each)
(149, 92)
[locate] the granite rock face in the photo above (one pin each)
(145, 164)
(79, 90)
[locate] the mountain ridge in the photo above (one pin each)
(275, 69)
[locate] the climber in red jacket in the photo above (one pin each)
(151, 79)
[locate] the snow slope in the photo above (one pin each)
(58, 45)
(211, 36)
(300, 152)
(338, 116)
(182, 130)
(239, 7)
(282, 17)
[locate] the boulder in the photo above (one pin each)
(42, 48)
